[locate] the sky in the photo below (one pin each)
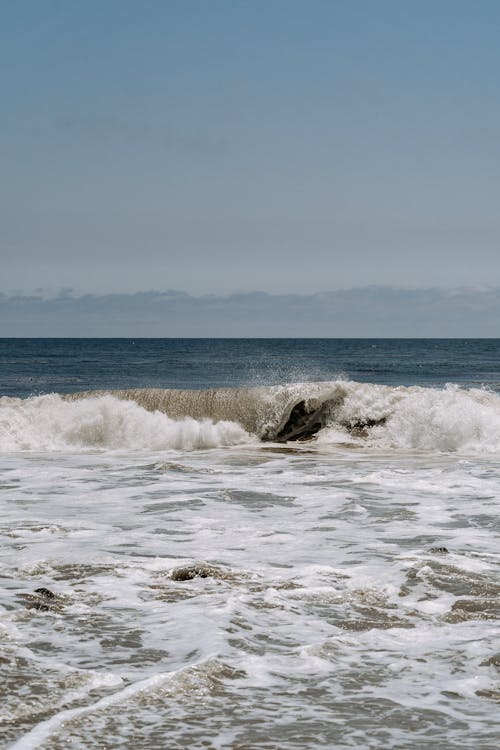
(231, 147)
(364, 312)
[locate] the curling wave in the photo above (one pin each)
(449, 419)
(53, 423)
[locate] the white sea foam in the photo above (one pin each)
(449, 419)
(354, 609)
(374, 416)
(50, 423)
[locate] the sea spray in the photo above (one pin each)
(50, 423)
(375, 416)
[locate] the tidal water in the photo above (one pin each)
(182, 569)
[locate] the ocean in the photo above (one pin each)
(240, 544)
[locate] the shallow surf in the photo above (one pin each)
(186, 580)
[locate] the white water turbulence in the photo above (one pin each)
(376, 416)
(50, 423)
(448, 419)
(312, 565)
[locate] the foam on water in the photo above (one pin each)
(49, 423)
(350, 598)
(37, 736)
(414, 418)
(449, 419)
(344, 591)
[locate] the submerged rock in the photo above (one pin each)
(302, 424)
(46, 593)
(189, 572)
(42, 600)
(439, 551)
(305, 421)
(362, 429)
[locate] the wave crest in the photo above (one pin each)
(416, 418)
(376, 416)
(51, 423)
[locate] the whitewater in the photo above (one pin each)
(263, 562)
(374, 416)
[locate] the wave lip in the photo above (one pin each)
(279, 413)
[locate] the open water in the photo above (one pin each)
(240, 544)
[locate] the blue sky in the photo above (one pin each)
(220, 147)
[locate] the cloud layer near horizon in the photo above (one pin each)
(362, 312)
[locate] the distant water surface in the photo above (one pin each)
(33, 366)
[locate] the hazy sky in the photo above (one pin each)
(364, 312)
(217, 146)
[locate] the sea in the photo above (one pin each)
(238, 544)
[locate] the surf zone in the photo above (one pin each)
(323, 414)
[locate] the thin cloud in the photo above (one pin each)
(373, 311)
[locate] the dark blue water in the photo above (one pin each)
(36, 366)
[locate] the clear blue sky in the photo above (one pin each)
(219, 146)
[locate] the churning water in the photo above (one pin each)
(250, 544)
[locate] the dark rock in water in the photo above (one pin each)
(361, 429)
(302, 423)
(46, 593)
(189, 572)
(305, 421)
(38, 605)
(43, 600)
(439, 550)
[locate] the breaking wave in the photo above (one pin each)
(414, 418)
(52, 423)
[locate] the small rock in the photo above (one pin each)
(43, 600)
(439, 551)
(46, 593)
(194, 571)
